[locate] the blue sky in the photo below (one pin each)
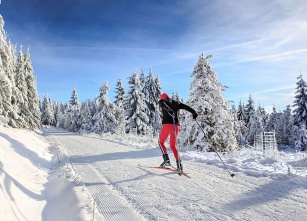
(259, 47)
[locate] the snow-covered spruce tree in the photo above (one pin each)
(142, 79)
(135, 106)
(121, 119)
(242, 129)
(119, 92)
(286, 126)
(300, 114)
(56, 112)
(249, 110)
(60, 115)
(206, 98)
(152, 98)
(157, 121)
(240, 111)
(254, 126)
(33, 113)
(86, 117)
(21, 86)
(104, 120)
(73, 121)
(263, 114)
(47, 114)
(7, 68)
(273, 121)
(300, 101)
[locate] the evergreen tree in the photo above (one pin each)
(300, 111)
(72, 116)
(47, 115)
(286, 126)
(255, 126)
(86, 116)
(6, 71)
(273, 121)
(151, 99)
(33, 111)
(135, 106)
(242, 128)
(120, 92)
(207, 99)
(104, 119)
(240, 112)
(142, 79)
(74, 100)
(249, 110)
(300, 115)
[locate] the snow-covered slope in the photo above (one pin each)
(33, 184)
(63, 176)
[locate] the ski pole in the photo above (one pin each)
(231, 174)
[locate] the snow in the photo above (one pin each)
(56, 175)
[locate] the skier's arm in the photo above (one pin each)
(188, 108)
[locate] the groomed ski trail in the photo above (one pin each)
(124, 191)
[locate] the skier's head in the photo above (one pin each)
(163, 96)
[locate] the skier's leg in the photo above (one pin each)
(163, 136)
(173, 141)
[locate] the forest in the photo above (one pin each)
(134, 109)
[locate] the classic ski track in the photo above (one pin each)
(241, 197)
(109, 202)
(112, 206)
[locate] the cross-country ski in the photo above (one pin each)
(172, 169)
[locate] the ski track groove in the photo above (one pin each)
(241, 197)
(108, 201)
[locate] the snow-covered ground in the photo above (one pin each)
(57, 175)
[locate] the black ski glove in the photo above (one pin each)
(195, 115)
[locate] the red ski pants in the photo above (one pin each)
(173, 131)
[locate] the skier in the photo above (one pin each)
(171, 126)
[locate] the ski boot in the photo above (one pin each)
(179, 167)
(166, 161)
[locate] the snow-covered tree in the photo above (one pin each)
(151, 98)
(86, 116)
(273, 121)
(300, 111)
(74, 100)
(255, 126)
(33, 112)
(299, 134)
(142, 79)
(249, 110)
(104, 119)
(240, 112)
(120, 92)
(286, 126)
(72, 115)
(47, 114)
(207, 99)
(135, 106)
(300, 141)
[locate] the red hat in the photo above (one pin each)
(163, 96)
